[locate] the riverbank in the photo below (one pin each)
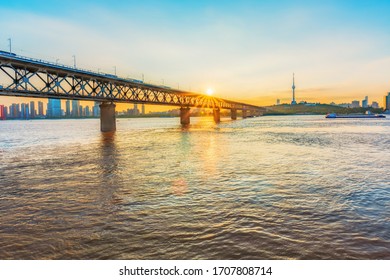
(317, 109)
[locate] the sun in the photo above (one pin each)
(209, 91)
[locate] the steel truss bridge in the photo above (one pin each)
(27, 77)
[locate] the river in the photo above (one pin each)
(275, 187)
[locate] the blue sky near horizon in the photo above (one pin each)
(244, 50)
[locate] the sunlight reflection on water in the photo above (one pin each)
(299, 187)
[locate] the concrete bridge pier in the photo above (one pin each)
(107, 117)
(185, 115)
(217, 115)
(233, 114)
(244, 114)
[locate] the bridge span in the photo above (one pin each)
(28, 77)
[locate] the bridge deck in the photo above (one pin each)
(27, 77)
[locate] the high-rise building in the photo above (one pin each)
(15, 111)
(57, 108)
(81, 112)
(135, 110)
(75, 108)
(355, 104)
(67, 112)
(3, 115)
(33, 113)
(27, 111)
(49, 109)
(24, 112)
(386, 104)
(375, 105)
(277, 101)
(293, 102)
(96, 109)
(54, 108)
(365, 102)
(40, 108)
(87, 112)
(10, 111)
(5, 112)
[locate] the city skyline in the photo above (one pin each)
(54, 109)
(74, 109)
(245, 51)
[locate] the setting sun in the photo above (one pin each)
(210, 91)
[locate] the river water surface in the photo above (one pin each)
(297, 187)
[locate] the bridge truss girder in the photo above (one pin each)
(34, 80)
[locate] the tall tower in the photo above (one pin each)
(293, 102)
(386, 104)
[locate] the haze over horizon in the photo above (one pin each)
(244, 50)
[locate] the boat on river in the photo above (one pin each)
(367, 115)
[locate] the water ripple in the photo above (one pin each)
(264, 188)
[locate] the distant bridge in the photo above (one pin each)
(27, 77)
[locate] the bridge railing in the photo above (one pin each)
(98, 86)
(68, 67)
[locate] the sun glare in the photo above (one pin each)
(210, 91)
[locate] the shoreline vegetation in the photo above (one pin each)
(317, 109)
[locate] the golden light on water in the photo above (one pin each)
(179, 187)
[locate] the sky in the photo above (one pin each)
(244, 50)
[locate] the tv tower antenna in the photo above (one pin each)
(293, 102)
